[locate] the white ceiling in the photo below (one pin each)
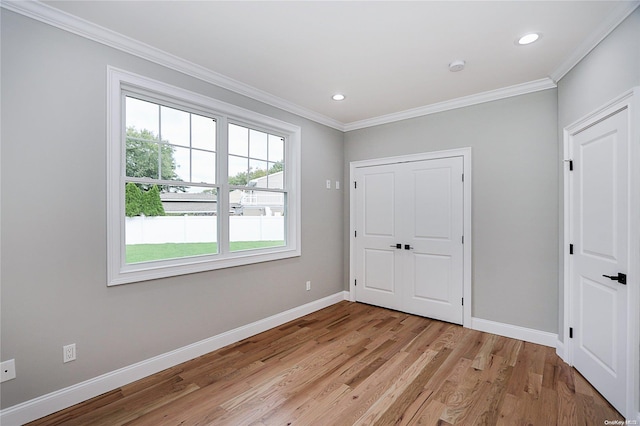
(385, 56)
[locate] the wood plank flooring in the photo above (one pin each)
(355, 364)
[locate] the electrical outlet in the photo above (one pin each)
(8, 370)
(69, 353)
(337, 184)
(328, 183)
(308, 285)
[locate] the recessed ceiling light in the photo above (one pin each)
(528, 38)
(338, 97)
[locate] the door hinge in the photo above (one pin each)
(355, 234)
(355, 282)
(355, 184)
(463, 177)
(570, 248)
(463, 239)
(463, 301)
(570, 332)
(570, 165)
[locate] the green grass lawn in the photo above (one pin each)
(146, 252)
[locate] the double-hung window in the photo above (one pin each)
(195, 184)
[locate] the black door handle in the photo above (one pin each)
(398, 246)
(621, 278)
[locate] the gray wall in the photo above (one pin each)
(515, 186)
(53, 239)
(608, 71)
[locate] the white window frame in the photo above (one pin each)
(118, 271)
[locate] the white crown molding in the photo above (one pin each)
(492, 95)
(67, 22)
(73, 24)
(610, 23)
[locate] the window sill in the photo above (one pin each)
(146, 271)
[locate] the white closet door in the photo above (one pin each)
(378, 262)
(409, 224)
(432, 284)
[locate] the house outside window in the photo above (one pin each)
(195, 184)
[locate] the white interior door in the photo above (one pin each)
(433, 228)
(599, 233)
(409, 249)
(378, 236)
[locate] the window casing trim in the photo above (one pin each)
(118, 271)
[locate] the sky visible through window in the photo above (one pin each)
(256, 154)
(192, 138)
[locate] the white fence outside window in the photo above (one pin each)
(201, 229)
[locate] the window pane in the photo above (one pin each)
(203, 166)
(173, 223)
(260, 222)
(258, 173)
(257, 145)
(203, 132)
(238, 140)
(238, 168)
(174, 126)
(182, 164)
(141, 156)
(276, 149)
(276, 176)
(142, 115)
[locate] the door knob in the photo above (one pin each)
(621, 278)
(408, 247)
(398, 246)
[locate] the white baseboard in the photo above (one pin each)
(63, 398)
(560, 350)
(515, 332)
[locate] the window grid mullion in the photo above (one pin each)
(159, 142)
(254, 188)
(164, 182)
(223, 179)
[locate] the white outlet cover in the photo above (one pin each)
(69, 353)
(337, 184)
(8, 370)
(328, 183)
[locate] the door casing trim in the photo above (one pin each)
(465, 153)
(629, 101)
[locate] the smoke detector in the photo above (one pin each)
(456, 66)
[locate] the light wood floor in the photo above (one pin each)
(355, 364)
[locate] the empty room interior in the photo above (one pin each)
(320, 213)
